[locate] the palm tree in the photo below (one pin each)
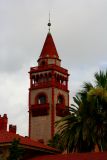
(86, 126)
(97, 97)
(75, 129)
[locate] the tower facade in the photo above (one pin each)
(48, 93)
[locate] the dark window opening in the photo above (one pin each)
(43, 63)
(60, 99)
(42, 99)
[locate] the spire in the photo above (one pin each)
(49, 49)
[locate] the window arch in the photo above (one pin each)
(41, 99)
(60, 99)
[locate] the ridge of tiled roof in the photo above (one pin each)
(74, 156)
(7, 137)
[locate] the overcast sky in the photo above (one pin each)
(79, 30)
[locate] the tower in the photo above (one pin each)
(48, 92)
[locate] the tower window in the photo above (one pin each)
(41, 99)
(43, 63)
(60, 99)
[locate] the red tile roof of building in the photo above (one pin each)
(8, 137)
(49, 49)
(74, 156)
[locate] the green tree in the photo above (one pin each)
(15, 150)
(75, 129)
(86, 126)
(97, 96)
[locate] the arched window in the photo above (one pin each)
(60, 99)
(41, 99)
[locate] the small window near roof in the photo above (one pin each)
(43, 63)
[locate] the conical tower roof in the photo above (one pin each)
(49, 49)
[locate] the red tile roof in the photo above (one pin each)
(49, 49)
(74, 156)
(8, 137)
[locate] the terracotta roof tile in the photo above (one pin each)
(8, 137)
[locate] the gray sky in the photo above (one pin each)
(79, 30)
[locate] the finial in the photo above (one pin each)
(49, 24)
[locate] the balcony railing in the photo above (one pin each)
(61, 110)
(49, 84)
(39, 109)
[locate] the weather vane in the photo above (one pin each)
(49, 24)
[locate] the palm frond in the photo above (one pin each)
(101, 79)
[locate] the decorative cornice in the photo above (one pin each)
(47, 68)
